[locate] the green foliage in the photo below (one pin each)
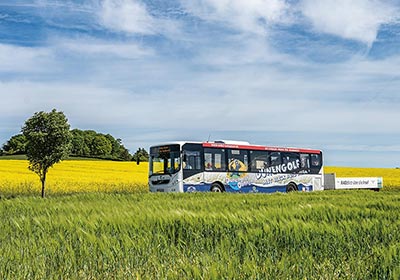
(79, 145)
(101, 146)
(89, 143)
(47, 141)
(320, 235)
(140, 155)
(15, 146)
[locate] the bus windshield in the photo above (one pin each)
(165, 159)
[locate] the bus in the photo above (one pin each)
(233, 166)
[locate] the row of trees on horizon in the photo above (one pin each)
(84, 143)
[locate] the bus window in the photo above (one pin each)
(316, 163)
(214, 159)
(237, 160)
(290, 157)
(315, 160)
(207, 161)
(275, 158)
(177, 163)
(291, 162)
(305, 162)
(191, 160)
(258, 160)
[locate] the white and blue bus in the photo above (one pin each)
(233, 166)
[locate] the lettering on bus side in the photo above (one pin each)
(281, 168)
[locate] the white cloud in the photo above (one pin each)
(247, 15)
(133, 17)
(24, 59)
(356, 19)
(128, 16)
(244, 50)
(93, 47)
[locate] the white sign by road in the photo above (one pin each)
(359, 183)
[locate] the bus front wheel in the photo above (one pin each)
(215, 187)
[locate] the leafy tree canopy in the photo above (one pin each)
(15, 146)
(89, 143)
(141, 155)
(48, 140)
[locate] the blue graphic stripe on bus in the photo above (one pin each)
(234, 185)
(245, 189)
(197, 188)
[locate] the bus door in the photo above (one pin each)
(192, 164)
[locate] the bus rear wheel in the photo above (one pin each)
(215, 187)
(291, 187)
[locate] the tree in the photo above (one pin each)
(16, 145)
(101, 146)
(118, 150)
(47, 142)
(79, 146)
(89, 143)
(140, 155)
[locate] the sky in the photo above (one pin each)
(300, 73)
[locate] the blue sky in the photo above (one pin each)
(320, 74)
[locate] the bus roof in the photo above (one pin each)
(243, 146)
(260, 148)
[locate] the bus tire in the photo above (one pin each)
(291, 187)
(216, 187)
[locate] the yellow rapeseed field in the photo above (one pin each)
(72, 176)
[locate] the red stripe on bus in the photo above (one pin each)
(260, 148)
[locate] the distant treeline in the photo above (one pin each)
(85, 143)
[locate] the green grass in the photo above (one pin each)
(14, 157)
(320, 235)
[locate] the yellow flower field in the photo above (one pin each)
(73, 176)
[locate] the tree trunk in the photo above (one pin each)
(43, 179)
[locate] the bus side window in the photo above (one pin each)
(238, 160)
(214, 159)
(290, 157)
(207, 161)
(258, 160)
(305, 162)
(316, 163)
(275, 158)
(191, 160)
(315, 160)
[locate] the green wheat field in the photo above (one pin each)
(100, 222)
(319, 235)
